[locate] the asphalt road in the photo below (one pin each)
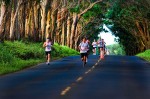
(116, 77)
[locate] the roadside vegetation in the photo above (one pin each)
(15, 56)
(145, 55)
(116, 49)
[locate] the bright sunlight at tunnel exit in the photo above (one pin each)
(107, 36)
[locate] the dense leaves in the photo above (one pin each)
(116, 49)
(128, 20)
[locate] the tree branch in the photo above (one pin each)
(90, 6)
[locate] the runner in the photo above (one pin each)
(104, 44)
(83, 47)
(88, 50)
(101, 45)
(94, 44)
(47, 45)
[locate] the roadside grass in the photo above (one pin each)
(17, 65)
(18, 55)
(145, 55)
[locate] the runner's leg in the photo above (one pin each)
(85, 58)
(99, 51)
(46, 57)
(82, 57)
(94, 51)
(48, 60)
(102, 53)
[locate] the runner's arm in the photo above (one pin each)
(79, 46)
(44, 45)
(93, 43)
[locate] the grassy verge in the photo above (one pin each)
(15, 56)
(145, 55)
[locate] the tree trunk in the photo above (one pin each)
(27, 27)
(68, 31)
(36, 20)
(73, 29)
(27, 21)
(43, 20)
(21, 19)
(58, 30)
(147, 32)
(2, 12)
(53, 24)
(33, 32)
(13, 19)
(76, 40)
(77, 36)
(54, 16)
(48, 25)
(63, 18)
(2, 21)
(63, 34)
(142, 34)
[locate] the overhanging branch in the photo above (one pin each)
(90, 6)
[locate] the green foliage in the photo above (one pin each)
(93, 12)
(5, 56)
(116, 49)
(7, 2)
(25, 51)
(122, 16)
(63, 51)
(18, 55)
(126, 39)
(92, 29)
(76, 9)
(145, 55)
(17, 65)
(38, 1)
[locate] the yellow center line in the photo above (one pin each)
(86, 72)
(93, 67)
(80, 78)
(64, 92)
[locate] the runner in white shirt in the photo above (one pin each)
(47, 45)
(83, 47)
(94, 44)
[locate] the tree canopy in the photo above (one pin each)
(129, 20)
(67, 21)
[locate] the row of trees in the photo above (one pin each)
(66, 21)
(130, 21)
(62, 20)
